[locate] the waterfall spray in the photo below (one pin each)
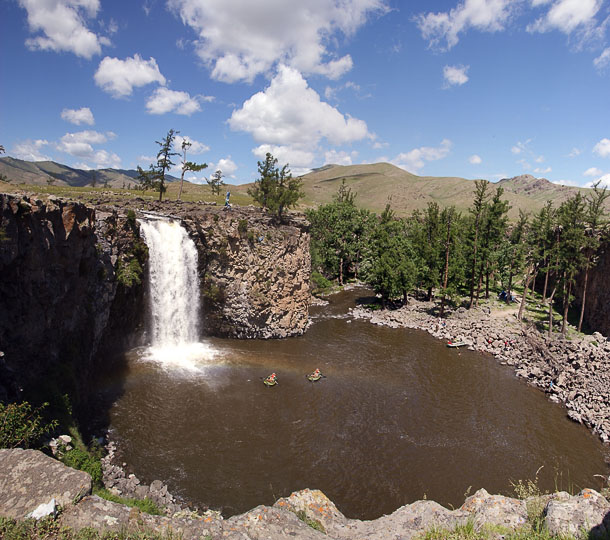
(174, 296)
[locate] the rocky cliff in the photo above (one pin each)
(254, 273)
(597, 302)
(71, 284)
(31, 481)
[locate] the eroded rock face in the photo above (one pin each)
(28, 479)
(61, 299)
(587, 511)
(254, 273)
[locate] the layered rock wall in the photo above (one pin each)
(254, 273)
(70, 289)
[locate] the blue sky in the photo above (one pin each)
(472, 88)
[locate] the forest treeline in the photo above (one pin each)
(448, 254)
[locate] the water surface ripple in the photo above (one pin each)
(398, 417)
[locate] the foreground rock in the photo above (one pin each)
(28, 477)
(575, 373)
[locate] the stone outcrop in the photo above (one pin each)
(597, 302)
(27, 477)
(62, 299)
(575, 373)
(254, 272)
(73, 285)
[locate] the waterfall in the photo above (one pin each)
(174, 296)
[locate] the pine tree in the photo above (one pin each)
(595, 215)
(164, 161)
(478, 206)
(276, 189)
(188, 165)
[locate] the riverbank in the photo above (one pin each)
(31, 482)
(575, 373)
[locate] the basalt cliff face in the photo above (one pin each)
(73, 284)
(597, 301)
(254, 273)
(69, 290)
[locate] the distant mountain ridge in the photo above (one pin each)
(377, 184)
(19, 171)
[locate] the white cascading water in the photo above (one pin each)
(174, 296)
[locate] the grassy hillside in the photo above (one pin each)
(18, 171)
(379, 183)
(375, 185)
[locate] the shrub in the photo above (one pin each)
(145, 505)
(320, 281)
(242, 226)
(84, 461)
(131, 217)
(23, 426)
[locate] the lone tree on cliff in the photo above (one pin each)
(188, 165)
(215, 182)
(276, 189)
(154, 177)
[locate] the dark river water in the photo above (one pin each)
(399, 417)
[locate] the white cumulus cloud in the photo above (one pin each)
(442, 29)
(602, 148)
(30, 150)
(239, 40)
(339, 158)
(62, 26)
(290, 118)
(416, 159)
(119, 77)
(78, 116)
(475, 159)
(603, 59)
(226, 165)
(593, 171)
(196, 147)
(165, 100)
(455, 75)
(80, 144)
(604, 181)
(566, 16)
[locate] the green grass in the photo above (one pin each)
(145, 505)
(313, 523)
(49, 528)
(190, 193)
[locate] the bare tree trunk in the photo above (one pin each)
(476, 302)
(446, 272)
(341, 271)
(546, 283)
(551, 311)
(566, 305)
(487, 281)
(584, 297)
(528, 279)
(474, 264)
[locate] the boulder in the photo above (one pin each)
(29, 478)
(588, 511)
(495, 510)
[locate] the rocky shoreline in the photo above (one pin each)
(575, 373)
(30, 481)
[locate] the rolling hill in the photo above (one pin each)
(379, 183)
(375, 184)
(18, 171)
